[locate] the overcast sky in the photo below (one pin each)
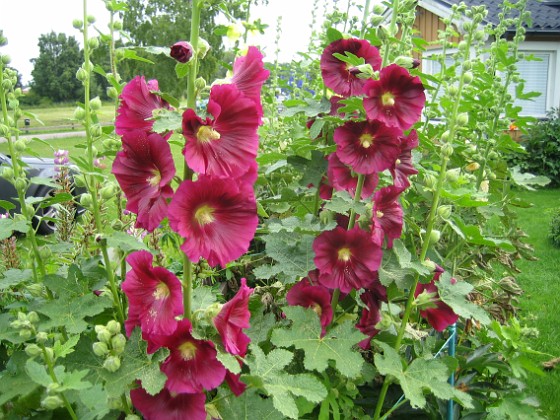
(23, 21)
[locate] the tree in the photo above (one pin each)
(54, 71)
(162, 23)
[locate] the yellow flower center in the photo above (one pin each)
(379, 214)
(316, 308)
(206, 134)
(344, 254)
(155, 179)
(366, 140)
(187, 350)
(387, 99)
(204, 215)
(161, 292)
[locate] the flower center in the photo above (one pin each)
(344, 254)
(387, 99)
(379, 214)
(366, 140)
(187, 350)
(316, 308)
(206, 134)
(204, 215)
(155, 179)
(161, 292)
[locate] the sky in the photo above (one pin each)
(23, 21)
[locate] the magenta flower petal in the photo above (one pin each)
(397, 98)
(311, 294)
(338, 75)
(403, 167)
(217, 219)
(342, 179)
(367, 146)
(169, 406)
(249, 76)
(233, 318)
(387, 216)
(370, 317)
(144, 170)
(154, 294)
(346, 259)
(137, 106)
(192, 365)
(226, 145)
(442, 316)
(182, 51)
(235, 384)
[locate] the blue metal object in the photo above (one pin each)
(451, 352)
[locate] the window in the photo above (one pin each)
(536, 75)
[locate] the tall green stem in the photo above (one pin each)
(364, 18)
(187, 173)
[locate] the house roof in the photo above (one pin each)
(545, 14)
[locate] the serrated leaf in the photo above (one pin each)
(337, 344)
(182, 69)
(137, 364)
(420, 376)
(248, 406)
(166, 120)
(62, 350)
(473, 235)
(94, 403)
(455, 295)
(131, 55)
(125, 242)
(404, 258)
(72, 380)
(203, 297)
(316, 128)
(14, 381)
(14, 277)
(333, 34)
(9, 226)
(310, 224)
(312, 169)
(343, 203)
(37, 373)
(6, 205)
(229, 361)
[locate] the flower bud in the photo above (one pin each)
(117, 25)
(79, 113)
(473, 166)
(3, 41)
(453, 90)
(200, 83)
(445, 136)
(81, 74)
(117, 225)
(112, 92)
(132, 417)
(378, 9)
(52, 402)
(41, 337)
(203, 48)
(467, 77)
(425, 300)
(49, 353)
(112, 363)
(182, 51)
(107, 192)
(7, 173)
(100, 349)
(33, 350)
(95, 103)
(404, 61)
(90, 19)
(479, 35)
(4, 130)
(6, 59)
(45, 253)
(452, 175)
(435, 236)
(6, 83)
(77, 24)
(20, 145)
(444, 212)
(430, 265)
(53, 388)
(114, 327)
(118, 343)
(21, 184)
(430, 180)
(462, 45)
(86, 200)
(447, 149)
(33, 317)
(35, 289)
(104, 335)
(93, 43)
(462, 119)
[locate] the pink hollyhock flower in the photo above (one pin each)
(217, 219)
(403, 167)
(442, 316)
(154, 294)
(310, 294)
(367, 146)
(182, 51)
(234, 383)
(249, 76)
(228, 144)
(192, 365)
(232, 319)
(144, 170)
(397, 98)
(137, 106)
(342, 179)
(341, 77)
(387, 216)
(169, 405)
(346, 259)
(371, 315)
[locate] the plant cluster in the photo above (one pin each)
(340, 241)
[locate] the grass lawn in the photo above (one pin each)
(541, 282)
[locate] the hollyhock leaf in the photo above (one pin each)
(404, 257)
(267, 373)
(131, 55)
(62, 350)
(166, 120)
(455, 295)
(267, 271)
(249, 405)
(125, 242)
(93, 404)
(473, 235)
(391, 272)
(343, 203)
(333, 34)
(310, 224)
(420, 376)
(261, 324)
(137, 364)
(312, 169)
(336, 345)
(229, 361)
(203, 297)
(14, 277)
(14, 381)
(309, 107)
(316, 128)
(8, 226)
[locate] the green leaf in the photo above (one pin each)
(39, 180)
(248, 406)
(14, 381)
(137, 364)
(473, 235)
(131, 55)
(229, 361)
(14, 277)
(421, 375)
(267, 373)
(316, 128)
(309, 107)
(9, 226)
(203, 297)
(56, 199)
(337, 344)
(333, 34)
(312, 170)
(182, 70)
(513, 408)
(343, 203)
(62, 350)
(37, 373)
(527, 180)
(94, 403)
(6, 205)
(455, 295)
(125, 242)
(166, 120)
(310, 224)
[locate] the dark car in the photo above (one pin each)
(40, 168)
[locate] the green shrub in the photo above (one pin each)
(554, 233)
(543, 148)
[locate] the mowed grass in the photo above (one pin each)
(54, 118)
(541, 282)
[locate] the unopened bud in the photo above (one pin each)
(430, 265)
(45, 252)
(53, 388)
(33, 317)
(117, 25)
(41, 337)
(430, 180)
(118, 343)
(112, 92)
(435, 236)
(425, 300)
(7, 173)
(447, 150)
(405, 61)
(81, 74)
(444, 212)
(467, 77)
(3, 41)
(378, 9)
(104, 336)
(114, 327)
(108, 192)
(6, 83)
(462, 119)
(200, 83)
(112, 363)
(6, 59)
(33, 350)
(203, 48)
(86, 200)
(100, 349)
(77, 23)
(4, 130)
(21, 184)
(95, 103)
(49, 353)
(93, 43)
(79, 113)
(52, 402)
(452, 175)
(473, 166)
(90, 19)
